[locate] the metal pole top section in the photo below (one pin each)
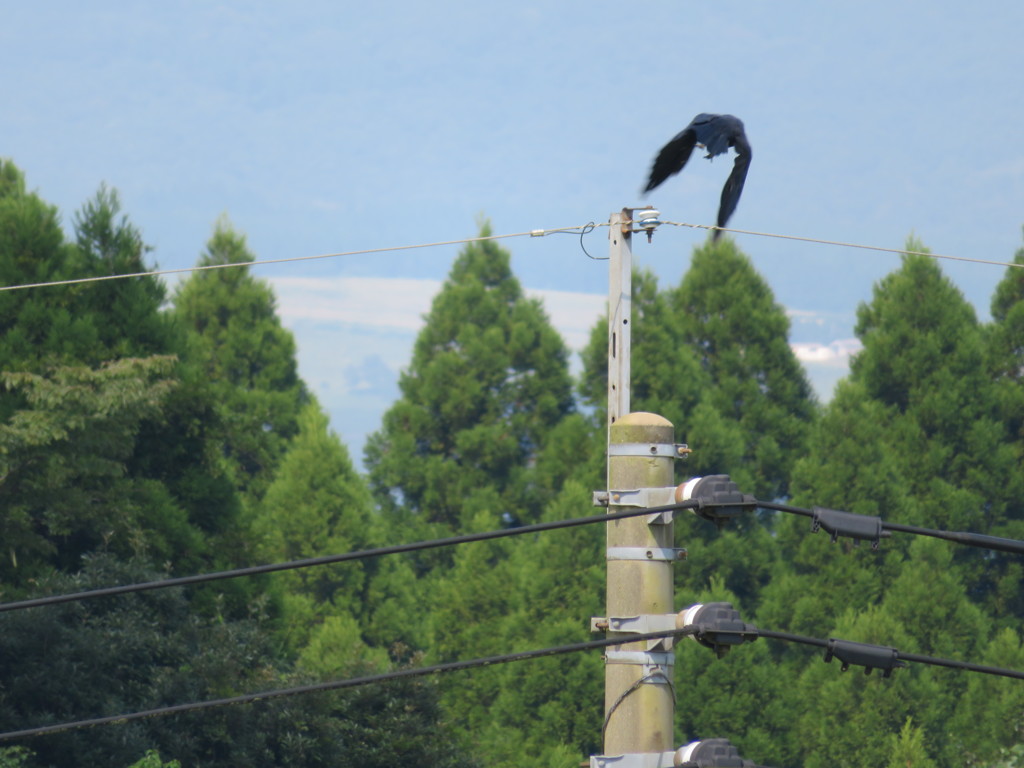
(620, 313)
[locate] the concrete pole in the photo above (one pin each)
(642, 720)
(638, 720)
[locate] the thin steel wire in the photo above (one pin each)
(290, 259)
(843, 244)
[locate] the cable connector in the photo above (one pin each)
(710, 753)
(719, 626)
(864, 655)
(719, 498)
(849, 524)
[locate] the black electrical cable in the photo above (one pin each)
(899, 655)
(721, 500)
(335, 685)
(340, 558)
(979, 540)
(783, 508)
(649, 677)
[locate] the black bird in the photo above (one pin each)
(715, 133)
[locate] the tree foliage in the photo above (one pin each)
(127, 441)
(317, 505)
(135, 652)
(488, 379)
(63, 484)
(138, 440)
(236, 341)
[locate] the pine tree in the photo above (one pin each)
(990, 712)
(1005, 350)
(908, 748)
(729, 317)
(913, 436)
(316, 505)
(712, 357)
(237, 342)
(88, 330)
(87, 323)
(107, 243)
(666, 377)
(513, 594)
(42, 326)
(488, 379)
(1006, 342)
(845, 718)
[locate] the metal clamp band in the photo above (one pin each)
(665, 450)
(634, 760)
(651, 554)
(645, 658)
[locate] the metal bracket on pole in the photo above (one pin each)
(640, 497)
(654, 554)
(636, 497)
(635, 760)
(675, 451)
(656, 666)
(656, 622)
(653, 659)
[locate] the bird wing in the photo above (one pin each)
(672, 157)
(734, 184)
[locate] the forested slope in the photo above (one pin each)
(146, 435)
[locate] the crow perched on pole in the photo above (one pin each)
(715, 133)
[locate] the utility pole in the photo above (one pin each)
(639, 706)
(638, 699)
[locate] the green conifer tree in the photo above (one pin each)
(316, 505)
(55, 331)
(129, 320)
(712, 356)
(517, 594)
(488, 380)
(852, 718)
(666, 377)
(914, 436)
(236, 341)
(908, 748)
(1005, 348)
(729, 317)
(990, 712)
(43, 326)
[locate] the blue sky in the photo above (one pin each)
(323, 127)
